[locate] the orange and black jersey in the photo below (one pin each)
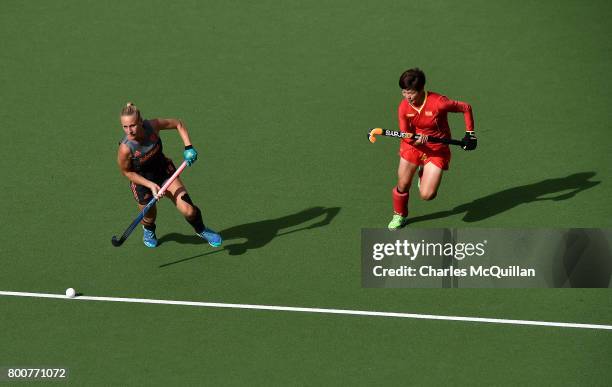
(146, 155)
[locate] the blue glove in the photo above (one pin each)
(190, 155)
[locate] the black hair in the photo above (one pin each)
(413, 79)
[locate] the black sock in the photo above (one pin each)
(196, 221)
(150, 227)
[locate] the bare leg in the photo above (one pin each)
(430, 181)
(178, 194)
(405, 173)
(149, 218)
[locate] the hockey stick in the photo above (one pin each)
(119, 241)
(392, 133)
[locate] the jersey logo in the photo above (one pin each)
(137, 153)
(428, 113)
(410, 115)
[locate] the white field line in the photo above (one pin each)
(314, 310)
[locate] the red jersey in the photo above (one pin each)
(431, 118)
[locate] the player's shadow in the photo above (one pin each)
(506, 200)
(258, 234)
(583, 260)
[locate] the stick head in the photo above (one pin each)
(116, 242)
(373, 133)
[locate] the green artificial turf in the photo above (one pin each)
(278, 97)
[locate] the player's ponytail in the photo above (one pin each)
(130, 110)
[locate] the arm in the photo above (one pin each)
(470, 141)
(190, 155)
(172, 123)
(403, 124)
(450, 105)
(123, 160)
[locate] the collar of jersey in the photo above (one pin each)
(422, 106)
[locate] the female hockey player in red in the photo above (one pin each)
(424, 113)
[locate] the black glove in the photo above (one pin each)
(469, 141)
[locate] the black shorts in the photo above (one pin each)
(141, 193)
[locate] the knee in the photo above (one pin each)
(186, 206)
(402, 185)
(189, 211)
(428, 195)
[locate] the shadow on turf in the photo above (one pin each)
(258, 234)
(507, 199)
(583, 260)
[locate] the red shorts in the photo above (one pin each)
(440, 158)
